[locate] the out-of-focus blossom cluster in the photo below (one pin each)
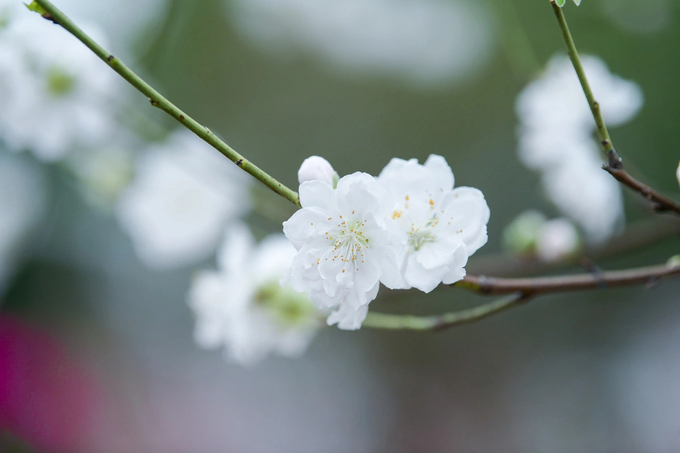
(406, 228)
(556, 138)
(183, 196)
(56, 95)
(242, 306)
(531, 233)
(424, 42)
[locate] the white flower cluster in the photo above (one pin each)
(406, 228)
(243, 308)
(556, 138)
(55, 93)
(183, 196)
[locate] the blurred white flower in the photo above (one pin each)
(444, 225)
(556, 138)
(587, 195)
(317, 168)
(677, 174)
(347, 245)
(184, 194)
(22, 206)
(243, 307)
(425, 42)
(55, 93)
(556, 99)
(557, 240)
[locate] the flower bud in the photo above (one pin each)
(557, 240)
(317, 168)
(521, 235)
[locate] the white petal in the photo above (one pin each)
(457, 267)
(348, 318)
(316, 194)
(467, 213)
(425, 280)
(444, 176)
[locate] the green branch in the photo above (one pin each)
(614, 166)
(51, 12)
(581, 73)
(443, 321)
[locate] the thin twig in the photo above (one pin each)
(660, 203)
(53, 14)
(564, 283)
(519, 291)
(614, 165)
(443, 321)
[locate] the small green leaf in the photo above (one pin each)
(34, 6)
(560, 3)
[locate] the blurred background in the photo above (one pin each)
(98, 348)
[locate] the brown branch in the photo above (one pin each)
(563, 283)
(518, 292)
(660, 203)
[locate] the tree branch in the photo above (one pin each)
(563, 283)
(519, 291)
(660, 203)
(443, 321)
(53, 14)
(614, 165)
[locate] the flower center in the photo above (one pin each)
(349, 242)
(287, 306)
(420, 235)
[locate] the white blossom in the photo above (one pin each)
(242, 306)
(55, 93)
(183, 196)
(586, 194)
(347, 245)
(444, 225)
(556, 138)
(677, 173)
(556, 98)
(423, 42)
(557, 240)
(22, 206)
(317, 168)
